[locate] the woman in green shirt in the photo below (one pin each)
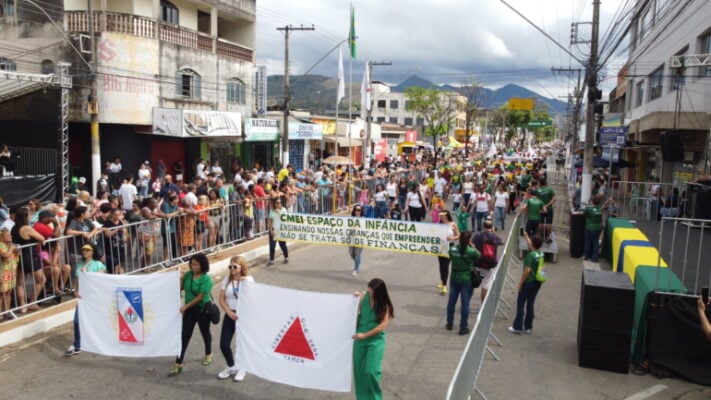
(197, 286)
(375, 312)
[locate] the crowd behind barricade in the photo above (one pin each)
(155, 219)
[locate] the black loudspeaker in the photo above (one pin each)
(607, 300)
(605, 321)
(672, 147)
(604, 349)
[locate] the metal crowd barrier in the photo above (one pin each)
(463, 383)
(682, 244)
(637, 200)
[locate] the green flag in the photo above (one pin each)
(352, 35)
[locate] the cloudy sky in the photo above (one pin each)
(445, 41)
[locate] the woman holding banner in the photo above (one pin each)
(452, 237)
(353, 251)
(89, 263)
(229, 297)
(273, 222)
(197, 286)
(374, 314)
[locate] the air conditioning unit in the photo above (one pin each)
(82, 42)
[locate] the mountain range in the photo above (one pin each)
(317, 93)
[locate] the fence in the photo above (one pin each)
(646, 200)
(463, 383)
(684, 245)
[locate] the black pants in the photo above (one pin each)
(226, 336)
(416, 213)
(272, 248)
(192, 316)
(443, 269)
(9, 165)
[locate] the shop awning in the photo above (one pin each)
(343, 141)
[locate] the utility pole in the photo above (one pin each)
(594, 94)
(93, 106)
(369, 117)
(287, 95)
(574, 117)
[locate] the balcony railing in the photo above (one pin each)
(78, 21)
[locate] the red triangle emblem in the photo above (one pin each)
(294, 342)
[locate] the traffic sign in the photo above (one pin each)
(539, 123)
(516, 103)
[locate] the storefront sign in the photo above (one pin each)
(196, 123)
(381, 148)
(299, 131)
(380, 234)
(260, 130)
(329, 125)
(411, 136)
(612, 136)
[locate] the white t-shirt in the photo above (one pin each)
(128, 193)
(391, 189)
(381, 196)
(232, 290)
(414, 200)
(501, 199)
(200, 171)
(482, 201)
(456, 198)
(468, 187)
(439, 185)
(192, 198)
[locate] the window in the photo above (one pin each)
(645, 22)
(393, 104)
(655, 83)
(407, 104)
(168, 12)
(381, 119)
(393, 120)
(47, 67)
(662, 7)
(420, 122)
(706, 49)
(408, 121)
(187, 84)
(677, 81)
(7, 8)
(640, 93)
(381, 103)
(7, 65)
(235, 92)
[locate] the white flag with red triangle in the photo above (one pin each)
(295, 337)
(130, 315)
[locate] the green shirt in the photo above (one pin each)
(534, 206)
(546, 194)
(462, 264)
(593, 218)
(91, 266)
(531, 261)
(194, 287)
(525, 180)
(367, 320)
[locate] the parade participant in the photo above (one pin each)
(528, 287)
(533, 207)
(463, 257)
(486, 242)
(229, 298)
(89, 263)
(479, 207)
(593, 226)
(374, 314)
(402, 192)
(353, 251)
(415, 205)
(468, 188)
(452, 237)
(196, 284)
(501, 204)
(273, 224)
(547, 195)
(381, 201)
(437, 207)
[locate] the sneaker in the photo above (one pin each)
(440, 286)
(464, 331)
(225, 373)
(354, 273)
(71, 351)
(448, 327)
(528, 330)
(516, 331)
(239, 376)
(270, 263)
(443, 291)
(286, 261)
(549, 241)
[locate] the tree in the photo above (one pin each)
(475, 97)
(436, 106)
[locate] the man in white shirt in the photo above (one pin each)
(439, 185)
(128, 193)
(200, 170)
(190, 196)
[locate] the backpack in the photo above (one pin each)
(541, 275)
(488, 254)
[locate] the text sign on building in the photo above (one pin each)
(299, 131)
(612, 136)
(411, 136)
(539, 123)
(196, 123)
(260, 130)
(516, 103)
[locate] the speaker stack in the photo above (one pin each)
(605, 321)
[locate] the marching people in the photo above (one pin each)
(89, 263)
(354, 251)
(528, 287)
(374, 313)
(487, 242)
(273, 223)
(196, 284)
(463, 257)
(415, 204)
(229, 298)
(452, 238)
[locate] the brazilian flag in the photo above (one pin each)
(352, 35)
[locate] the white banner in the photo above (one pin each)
(380, 234)
(130, 315)
(298, 338)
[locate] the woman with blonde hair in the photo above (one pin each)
(202, 221)
(229, 297)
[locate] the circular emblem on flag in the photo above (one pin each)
(445, 140)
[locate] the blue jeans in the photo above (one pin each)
(354, 253)
(592, 245)
(527, 298)
(455, 290)
(77, 336)
(478, 220)
(381, 209)
(500, 215)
